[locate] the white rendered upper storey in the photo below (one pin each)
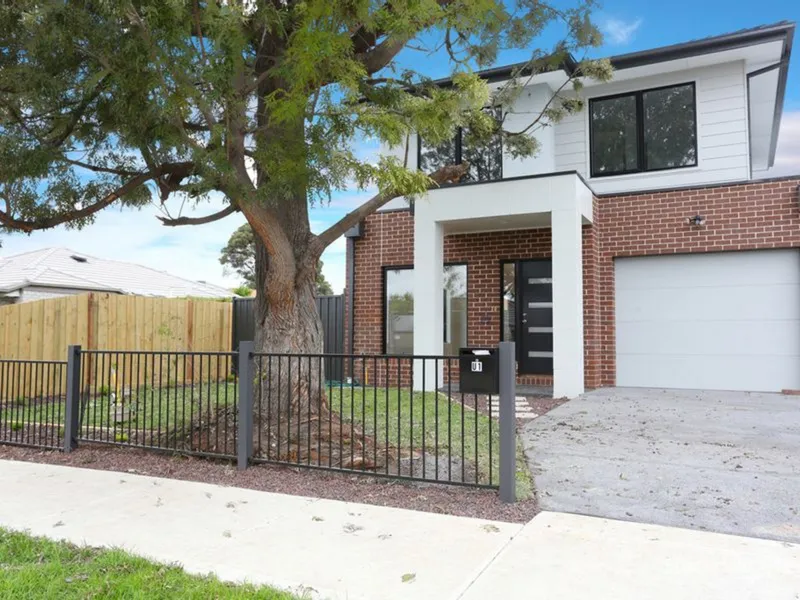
(697, 113)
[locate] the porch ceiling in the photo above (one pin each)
(497, 223)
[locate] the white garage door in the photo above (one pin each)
(726, 321)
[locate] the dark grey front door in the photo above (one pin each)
(535, 317)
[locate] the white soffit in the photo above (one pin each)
(763, 94)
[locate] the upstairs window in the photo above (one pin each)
(485, 160)
(649, 130)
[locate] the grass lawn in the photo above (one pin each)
(410, 420)
(172, 407)
(460, 433)
(33, 568)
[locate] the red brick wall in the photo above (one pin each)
(388, 240)
(738, 217)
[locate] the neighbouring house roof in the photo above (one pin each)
(65, 268)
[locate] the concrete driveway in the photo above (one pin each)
(717, 461)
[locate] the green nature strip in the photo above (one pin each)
(37, 568)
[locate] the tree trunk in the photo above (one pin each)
(293, 420)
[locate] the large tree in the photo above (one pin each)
(239, 254)
(119, 103)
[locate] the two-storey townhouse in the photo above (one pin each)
(642, 246)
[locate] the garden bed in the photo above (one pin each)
(436, 498)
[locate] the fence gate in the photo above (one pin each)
(331, 312)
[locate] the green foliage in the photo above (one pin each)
(16, 426)
(40, 568)
(112, 102)
(121, 438)
(243, 291)
(240, 255)
(104, 391)
(21, 401)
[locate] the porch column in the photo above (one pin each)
(428, 299)
(567, 302)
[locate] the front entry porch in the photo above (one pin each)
(546, 319)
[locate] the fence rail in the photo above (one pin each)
(179, 401)
(397, 416)
(32, 402)
(381, 423)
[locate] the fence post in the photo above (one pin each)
(508, 422)
(73, 409)
(244, 450)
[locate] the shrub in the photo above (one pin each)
(16, 426)
(104, 391)
(121, 437)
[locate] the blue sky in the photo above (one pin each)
(193, 252)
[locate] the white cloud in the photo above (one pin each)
(787, 155)
(618, 31)
(137, 236)
(191, 251)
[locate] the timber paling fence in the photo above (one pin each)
(399, 416)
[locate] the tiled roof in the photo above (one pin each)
(64, 268)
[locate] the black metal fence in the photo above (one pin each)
(32, 402)
(331, 312)
(402, 417)
(179, 401)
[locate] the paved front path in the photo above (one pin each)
(715, 461)
(361, 552)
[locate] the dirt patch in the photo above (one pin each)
(436, 498)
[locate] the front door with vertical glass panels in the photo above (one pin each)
(528, 293)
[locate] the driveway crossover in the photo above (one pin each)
(717, 461)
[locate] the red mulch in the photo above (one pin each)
(436, 498)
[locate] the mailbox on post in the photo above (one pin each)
(478, 372)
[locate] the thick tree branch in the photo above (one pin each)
(374, 56)
(53, 221)
(73, 215)
(451, 173)
(179, 221)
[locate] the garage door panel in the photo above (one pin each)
(732, 302)
(731, 338)
(743, 373)
(705, 270)
(727, 321)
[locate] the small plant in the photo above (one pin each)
(16, 426)
(21, 401)
(231, 378)
(60, 432)
(121, 438)
(104, 391)
(243, 291)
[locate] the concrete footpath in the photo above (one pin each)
(342, 550)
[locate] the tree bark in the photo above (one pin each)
(293, 420)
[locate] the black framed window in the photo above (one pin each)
(649, 130)
(485, 159)
(398, 301)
